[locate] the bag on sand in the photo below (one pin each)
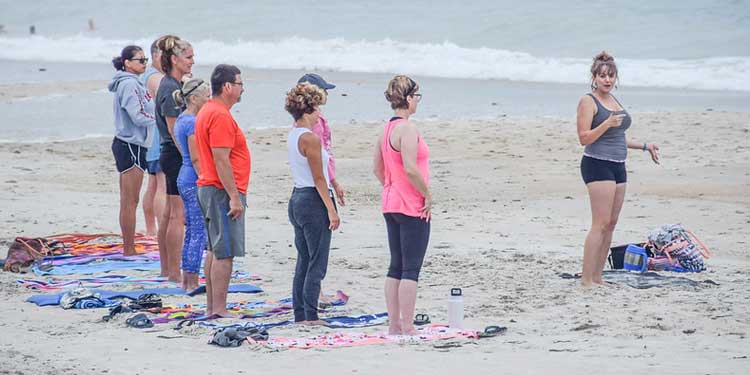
(23, 252)
(677, 249)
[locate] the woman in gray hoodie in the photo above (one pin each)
(134, 132)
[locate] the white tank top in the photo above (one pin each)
(300, 168)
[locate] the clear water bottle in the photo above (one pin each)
(456, 309)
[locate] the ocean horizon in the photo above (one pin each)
(478, 60)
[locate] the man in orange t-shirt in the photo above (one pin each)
(222, 185)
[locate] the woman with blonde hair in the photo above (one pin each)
(602, 122)
(311, 210)
(176, 62)
(401, 164)
(194, 94)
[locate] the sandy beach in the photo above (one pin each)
(511, 213)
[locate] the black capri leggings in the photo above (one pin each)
(407, 238)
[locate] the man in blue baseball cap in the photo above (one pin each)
(324, 132)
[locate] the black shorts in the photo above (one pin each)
(593, 169)
(170, 161)
(128, 155)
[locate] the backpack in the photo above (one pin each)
(23, 252)
(677, 249)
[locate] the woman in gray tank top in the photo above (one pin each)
(602, 122)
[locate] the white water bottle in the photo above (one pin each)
(456, 309)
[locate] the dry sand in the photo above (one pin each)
(510, 213)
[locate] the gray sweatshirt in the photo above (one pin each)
(133, 110)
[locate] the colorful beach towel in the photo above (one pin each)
(101, 243)
(62, 260)
(346, 339)
(344, 321)
(243, 309)
(92, 268)
(54, 299)
(98, 281)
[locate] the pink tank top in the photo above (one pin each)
(399, 195)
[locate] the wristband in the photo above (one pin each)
(645, 146)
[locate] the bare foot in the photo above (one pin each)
(129, 252)
(409, 331)
(587, 284)
(394, 328)
(222, 314)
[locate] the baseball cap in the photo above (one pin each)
(316, 80)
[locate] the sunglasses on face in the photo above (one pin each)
(142, 60)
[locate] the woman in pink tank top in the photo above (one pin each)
(401, 164)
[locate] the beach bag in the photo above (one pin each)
(677, 249)
(23, 252)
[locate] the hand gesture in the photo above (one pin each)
(614, 121)
(654, 151)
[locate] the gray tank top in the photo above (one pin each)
(611, 146)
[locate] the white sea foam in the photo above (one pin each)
(446, 60)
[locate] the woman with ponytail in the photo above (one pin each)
(602, 122)
(176, 63)
(134, 131)
(194, 94)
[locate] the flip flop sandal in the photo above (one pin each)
(147, 301)
(492, 331)
(421, 319)
(139, 321)
(184, 323)
(119, 309)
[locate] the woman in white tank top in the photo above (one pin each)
(311, 209)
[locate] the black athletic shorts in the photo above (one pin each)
(593, 169)
(170, 161)
(128, 155)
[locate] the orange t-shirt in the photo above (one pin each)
(215, 127)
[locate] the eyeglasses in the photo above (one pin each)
(142, 60)
(240, 84)
(417, 96)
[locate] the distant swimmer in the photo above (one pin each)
(91, 25)
(32, 29)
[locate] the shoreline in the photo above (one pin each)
(511, 213)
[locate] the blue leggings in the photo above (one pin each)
(195, 229)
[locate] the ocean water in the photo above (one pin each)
(478, 59)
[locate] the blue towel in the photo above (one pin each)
(91, 268)
(54, 299)
(359, 321)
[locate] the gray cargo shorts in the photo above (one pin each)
(226, 237)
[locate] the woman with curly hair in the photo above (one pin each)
(312, 211)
